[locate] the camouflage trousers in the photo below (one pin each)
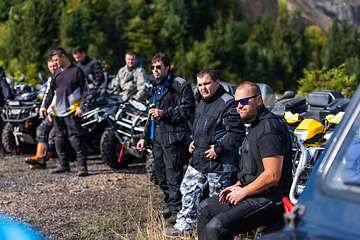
(191, 188)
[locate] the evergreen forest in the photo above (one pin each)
(194, 33)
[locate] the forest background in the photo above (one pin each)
(194, 33)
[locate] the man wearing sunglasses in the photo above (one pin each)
(172, 106)
(132, 78)
(218, 134)
(264, 178)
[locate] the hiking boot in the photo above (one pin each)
(166, 213)
(82, 171)
(42, 155)
(37, 166)
(172, 219)
(60, 169)
(173, 232)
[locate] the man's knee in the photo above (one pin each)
(202, 207)
(214, 227)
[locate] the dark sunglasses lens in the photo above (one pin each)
(243, 101)
(157, 67)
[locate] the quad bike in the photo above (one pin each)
(21, 118)
(94, 120)
(310, 139)
(118, 142)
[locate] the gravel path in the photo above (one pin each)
(103, 205)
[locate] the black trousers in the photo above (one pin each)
(69, 128)
(168, 169)
(46, 134)
(224, 221)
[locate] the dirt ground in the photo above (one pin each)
(104, 205)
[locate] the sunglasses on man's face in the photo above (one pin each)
(157, 67)
(243, 101)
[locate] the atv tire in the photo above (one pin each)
(110, 148)
(8, 140)
(150, 168)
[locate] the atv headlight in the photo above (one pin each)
(301, 134)
(15, 111)
(14, 103)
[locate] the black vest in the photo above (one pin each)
(251, 165)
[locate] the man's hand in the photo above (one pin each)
(42, 113)
(49, 118)
(237, 194)
(223, 197)
(91, 86)
(156, 112)
(140, 144)
(211, 153)
(78, 113)
(191, 147)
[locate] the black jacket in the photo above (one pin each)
(267, 136)
(178, 105)
(5, 92)
(217, 123)
(93, 67)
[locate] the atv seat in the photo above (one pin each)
(318, 100)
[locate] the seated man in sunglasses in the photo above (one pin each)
(132, 78)
(264, 177)
(218, 134)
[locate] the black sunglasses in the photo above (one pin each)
(157, 67)
(243, 101)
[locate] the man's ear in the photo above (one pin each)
(217, 82)
(259, 100)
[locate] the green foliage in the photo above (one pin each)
(335, 78)
(194, 33)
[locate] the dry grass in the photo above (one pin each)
(105, 205)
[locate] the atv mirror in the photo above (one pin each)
(38, 87)
(41, 77)
(21, 79)
(288, 94)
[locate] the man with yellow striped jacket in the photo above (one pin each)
(71, 88)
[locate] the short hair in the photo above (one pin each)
(49, 61)
(162, 57)
(77, 49)
(213, 75)
(253, 86)
(59, 51)
(131, 53)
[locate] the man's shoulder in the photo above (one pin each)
(92, 61)
(140, 69)
(122, 69)
(227, 98)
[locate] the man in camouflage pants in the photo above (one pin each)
(218, 132)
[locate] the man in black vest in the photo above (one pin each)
(264, 178)
(90, 66)
(218, 134)
(172, 106)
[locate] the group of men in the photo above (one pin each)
(67, 97)
(263, 179)
(262, 173)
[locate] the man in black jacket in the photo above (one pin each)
(6, 93)
(71, 88)
(90, 66)
(264, 178)
(218, 134)
(172, 106)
